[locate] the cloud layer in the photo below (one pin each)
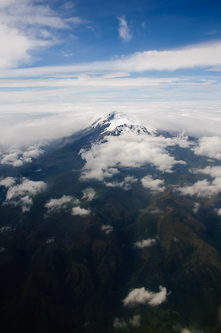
(128, 150)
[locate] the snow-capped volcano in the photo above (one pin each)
(117, 122)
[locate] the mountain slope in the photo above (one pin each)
(114, 228)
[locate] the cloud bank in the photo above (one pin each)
(128, 150)
(209, 146)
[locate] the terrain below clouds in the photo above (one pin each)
(115, 228)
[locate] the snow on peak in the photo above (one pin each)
(117, 122)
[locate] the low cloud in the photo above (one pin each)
(135, 321)
(155, 185)
(203, 188)
(125, 184)
(17, 157)
(196, 207)
(214, 171)
(218, 211)
(143, 296)
(209, 146)
(119, 324)
(55, 204)
(22, 192)
(145, 243)
(89, 194)
(124, 30)
(80, 211)
(7, 182)
(107, 228)
(129, 149)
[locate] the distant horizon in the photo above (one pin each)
(63, 62)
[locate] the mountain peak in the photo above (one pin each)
(116, 122)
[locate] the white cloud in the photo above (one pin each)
(22, 193)
(202, 188)
(209, 146)
(27, 25)
(125, 184)
(145, 243)
(7, 182)
(25, 187)
(107, 228)
(214, 171)
(89, 194)
(143, 296)
(80, 211)
(196, 207)
(129, 149)
(193, 56)
(54, 204)
(155, 185)
(24, 124)
(124, 30)
(119, 324)
(218, 211)
(135, 321)
(17, 158)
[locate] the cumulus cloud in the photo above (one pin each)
(129, 149)
(107, 228)
(203, 188)
(155, 185)
(214, 171)
(124, 30)
(80, 211)
(196, 207)
(119, 324)
(135, 321)
(209, 146)
(89, 194)
(145, 243)
(22, 192)
(54, 204)
(18, 157)
(125, 184)
(142, 296)
(7, 182)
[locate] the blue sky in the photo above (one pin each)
(89, 55)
